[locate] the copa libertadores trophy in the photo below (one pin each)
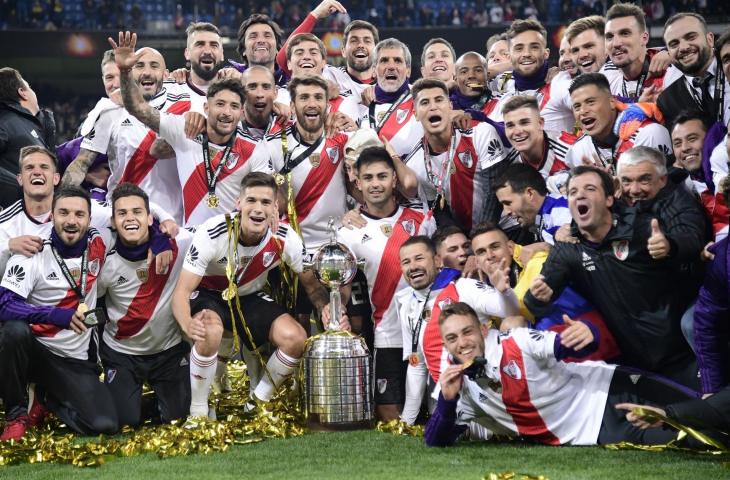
(337, 364)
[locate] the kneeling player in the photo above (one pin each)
(244, 245)
(141, 340)
(515, 384)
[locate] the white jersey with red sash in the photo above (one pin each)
(318, 182)
(127, 142)
(532, 395)
(344, 103)
(473, 154)
(139, 301)
(208, 256)
(348, 85)
(40, 280)
(552, 98)
(378, 244)
(484, 299)
(191, 169)
(649, 134)
(631, 90)
(555, 149)
(396, 122)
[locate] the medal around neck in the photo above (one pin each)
(337, 367)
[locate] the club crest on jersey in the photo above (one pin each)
(268, 258)
(620, 249)
(409, 226)
(232, 160)
(445, 303)
(386, 229)
(94, 266)
(315, 159)
(244, 261)
(400, 115)
(466, 159)
(333, 154)
(380, 116)
(512, 370)
(75, 273)
(143, 274)
(110, 374)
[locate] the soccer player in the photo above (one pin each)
(524, 195)
(565, 59)
(429, 290)
(454, 167)
(437, 61)
(388, 226)
(209, 168)
(258, 107)
(515, 384)
(259, 39)
(204, 52)
(47, 309)
(498, 62)
(587, 43)
(529, 54)
(596, 111)
(472, 94)
(128, 141)
(533, 145)
(141, 341)
(452, 247)
(243, 243)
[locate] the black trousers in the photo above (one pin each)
(167, 372)
(70, 388)
(634, 386)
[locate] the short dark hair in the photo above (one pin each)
(253, 20)
(31, 149)
(419, 240)
(304, 37)
(372, 155)
(426, 83)
(519, 177)
(620, 10)
(606, 179)
(307, 81)
(486, 227)
(688, 115)
(526, 25)
(721, 41)
(10, 82)
(201, 27)
(595, 22)
(498, 37)
(70, 191)
(442, 233)
(127, 189)
(594, 78)
(360, 25)
(434, 41)
(681, 15)
(234, 85)
(519, 101)
(107, 57)
(458, 308)
(258, 179)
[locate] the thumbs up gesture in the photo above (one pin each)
(658, 244)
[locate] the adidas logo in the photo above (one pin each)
(127, 122)
(91, 134)
(52, 276)
(222, 261)
(365, 238)
(121, 280)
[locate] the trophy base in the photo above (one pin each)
(314, 424)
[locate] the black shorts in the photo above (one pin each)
(259, 311)
(390, 376)
(167, 372)
(358, 305)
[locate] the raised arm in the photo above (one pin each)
(126, 58)
(76, 171)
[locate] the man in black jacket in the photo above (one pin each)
(22, 123)
(612, 267)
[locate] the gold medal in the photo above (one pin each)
(413, 359)
(229, 293)
(279, 179)
(82, 308)
(213, 201)
(314, 159)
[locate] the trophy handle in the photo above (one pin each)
(335, 308)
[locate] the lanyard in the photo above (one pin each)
(639, 82)
(416, 329)
(375, 125)
(611, 162)
(446, 169)
(211, 176)
(79, 290)
(290, 164)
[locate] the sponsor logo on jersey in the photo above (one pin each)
(52, 276)
(346, 93)
(409, 226)
(91, 134)
(15, 275)
(127, 122)
(233, 158)
(537, 335)
(512, 370)
(143, 274)
(121, 280)
(365, 238)
(620, 249)
(94, 266)
(334, 154)
(482, 397)
(193, 254)
(183, 362)
(466, 159)
(222, 261)
(588, 263)
(494, 150)
(400, 115)
(268, 258)
(387, 229)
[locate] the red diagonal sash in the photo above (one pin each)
(318, 179)
(461, 183)
(433, 345)
(391, 126)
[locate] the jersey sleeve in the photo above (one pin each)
(719, 163)
(538, 344)
(21, 275)
(487, 300)
(100, 135)
(101, 215)
(655, 136)
(201, 252)
(294, 251)
(489, 145)
(261, 159)
(172, 129)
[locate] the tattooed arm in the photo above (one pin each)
(76, 171)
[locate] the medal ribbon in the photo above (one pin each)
(290, 164)
(374, 124)
(211, 177)
(446, 169)
(79, 289)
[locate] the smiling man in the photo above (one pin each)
(596, 111)
(204, 52)
(437, 61)
(587, 43)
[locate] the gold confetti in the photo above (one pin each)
(399, 427)
(513, 476)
